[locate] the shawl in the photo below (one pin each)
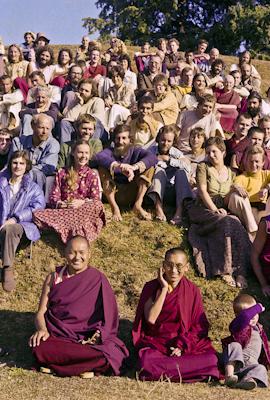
(192, 325)
(80, 305)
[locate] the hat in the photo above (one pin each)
(30, 33)
(42, 35)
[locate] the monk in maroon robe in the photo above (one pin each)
(170, 329)
(77, 320)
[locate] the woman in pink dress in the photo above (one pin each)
(75, 198)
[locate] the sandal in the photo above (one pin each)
(241, 282)
(229, 280)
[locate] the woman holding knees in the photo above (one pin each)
(119, 99)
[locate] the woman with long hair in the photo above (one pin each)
(75, 199)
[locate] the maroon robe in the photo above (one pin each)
(228, 117)
(77, 307)
(182, 323)
(265, 254)
(235, 148)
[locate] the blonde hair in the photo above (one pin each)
(72, 177)
(255, 150)
(242, 302)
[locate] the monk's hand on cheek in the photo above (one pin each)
(37, 337)
(175, 351)
(164, 284)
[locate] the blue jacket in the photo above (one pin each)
(29, 199)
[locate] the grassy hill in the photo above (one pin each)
(129, 253)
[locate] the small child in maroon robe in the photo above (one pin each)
(246, 352)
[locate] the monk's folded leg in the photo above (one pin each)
(67, 358)
(187, 368)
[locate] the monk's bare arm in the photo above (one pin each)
(256, 250)
(40, 323)
(153, 309)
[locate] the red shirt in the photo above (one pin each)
(91, 72)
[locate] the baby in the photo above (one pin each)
(246, 352)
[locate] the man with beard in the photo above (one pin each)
(216, 74)
(170, 183)
(42, 105)
(87, 102)
(126, 173)
(250, 82)
(204, 117)
(144, 128)
(68, 95)
(44, 63)
(254, 103)
(145, 81)
(239, 141)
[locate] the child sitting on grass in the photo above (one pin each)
(246, 352)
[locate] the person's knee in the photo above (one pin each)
(8, 230)
(260, 370)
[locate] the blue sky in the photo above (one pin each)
(61, 20)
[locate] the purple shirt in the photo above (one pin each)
(135, 154)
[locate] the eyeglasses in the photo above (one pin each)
(170, 266)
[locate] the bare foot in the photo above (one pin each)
(229, 280)
(241, 282)
(161, 217)
(142, 213)
(176, 220)
(116, 215)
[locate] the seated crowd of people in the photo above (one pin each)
(185, 131)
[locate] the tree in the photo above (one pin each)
(222, 22)
(247, 24)
(138, 20)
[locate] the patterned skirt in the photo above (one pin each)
(87, 220)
